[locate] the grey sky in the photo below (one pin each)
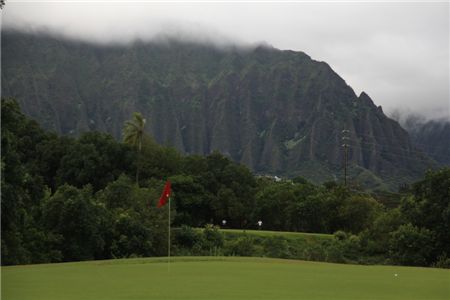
(397, 52)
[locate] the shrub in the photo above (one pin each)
(352, 247)
(243, 246)
(314, 253)
(276, 246)
(411, 245)
(335, 252)
(212, 237)
(187, 237)
(340, 235)
(442, 262)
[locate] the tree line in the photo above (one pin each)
(92, 197)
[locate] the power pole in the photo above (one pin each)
(345, 139)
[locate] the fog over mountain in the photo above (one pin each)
(430, 136)
(278, 112)
(397, 52)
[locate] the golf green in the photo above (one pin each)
(221, 278)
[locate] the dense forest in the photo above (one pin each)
(91, 197)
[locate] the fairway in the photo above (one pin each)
(221, 278)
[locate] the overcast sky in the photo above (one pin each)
(398, 53)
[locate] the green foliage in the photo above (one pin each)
(358, 213)
(376, 239)
(92, 159)
(133, 134)
(300, 180)
(66, 199)
(136, 228)
(315, 252)
(79, 166)
(209, 241)
(335, 253)
(308, 208)
(273, 202)
(73, 214)
(117, 194)
(340, 235)
(243, 246)
(212, 237)
(214, 188)
(191, 200)
(417, 232)
(187, 237)
(429, 207)
(442, 262)
(51, 151)
(21, 184)
(411, 245)
(133, 131)
(157, 161)
(131, 237)
(308, 213)
(276, 246)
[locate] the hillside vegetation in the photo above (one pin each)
(277, 112)
(70, 199)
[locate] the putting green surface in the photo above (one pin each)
(221, 278)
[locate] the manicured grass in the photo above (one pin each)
(286, 234)
(221, 278)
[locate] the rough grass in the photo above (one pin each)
(220, 278)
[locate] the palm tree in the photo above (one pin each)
(133, 133)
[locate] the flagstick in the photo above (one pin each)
(168, 244)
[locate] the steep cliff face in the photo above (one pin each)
(278, 112)
(433, 137)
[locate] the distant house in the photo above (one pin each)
(271, 177)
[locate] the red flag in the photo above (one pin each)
(165, 195)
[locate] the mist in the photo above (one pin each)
(398, 53)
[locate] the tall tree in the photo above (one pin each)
(133, 133)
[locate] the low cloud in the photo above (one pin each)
(397, 52)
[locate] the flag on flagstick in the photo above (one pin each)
(165, 195)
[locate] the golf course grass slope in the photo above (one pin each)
(285, 234)
(220, 278)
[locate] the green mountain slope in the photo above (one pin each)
(278, 112)
(433, 137)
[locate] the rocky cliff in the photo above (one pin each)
(432, 137)
(278, 112)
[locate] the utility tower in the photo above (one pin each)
(345, 145)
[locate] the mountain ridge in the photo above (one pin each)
(432, 137)
(276, 111)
